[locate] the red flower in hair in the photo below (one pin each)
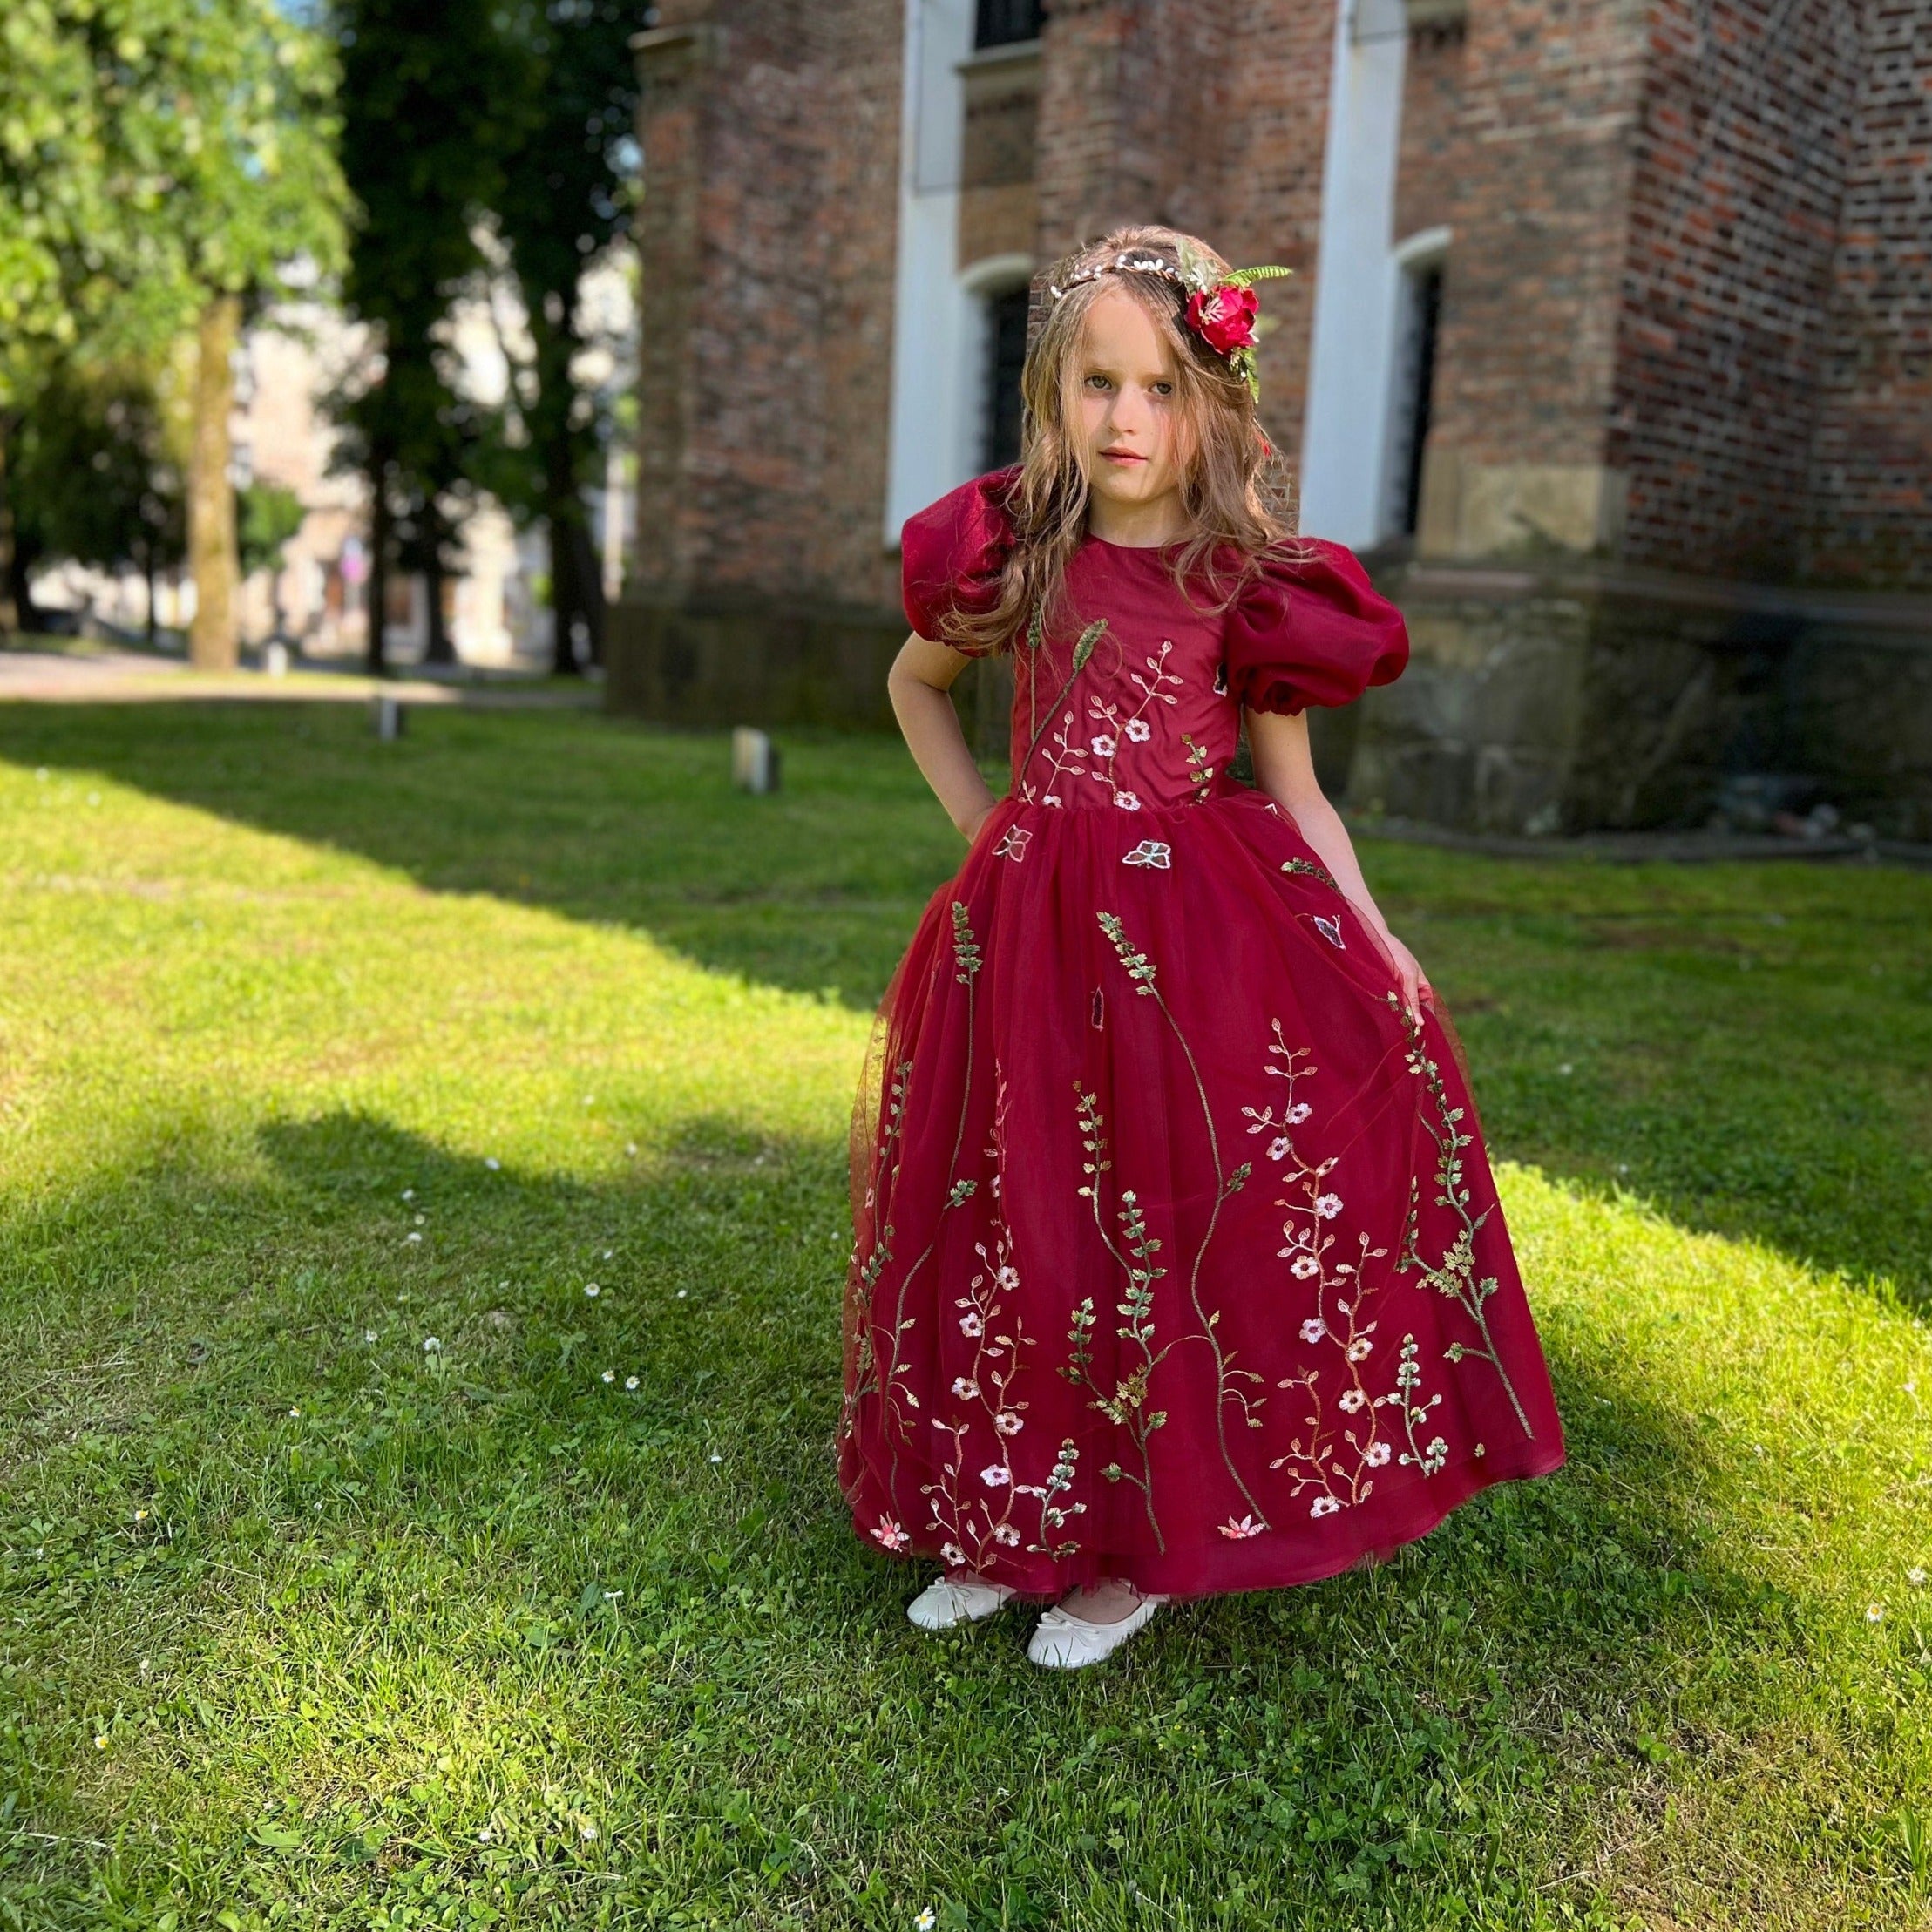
(1223, 316)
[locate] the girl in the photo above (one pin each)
(1179, 1267)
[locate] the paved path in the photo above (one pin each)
(106, 673)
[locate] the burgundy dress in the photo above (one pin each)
(1178, 1258)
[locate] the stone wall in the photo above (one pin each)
(1578, 697)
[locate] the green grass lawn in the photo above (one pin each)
(349, 1581)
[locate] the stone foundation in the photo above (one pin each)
(1593, 698)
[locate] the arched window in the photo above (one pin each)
(1006, 354)
(1419, 264)
(1006, 23)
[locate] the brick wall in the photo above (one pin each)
(770, 140)
(1540, 168)
(1742, 148)
(1871, 459)
(1427, 184)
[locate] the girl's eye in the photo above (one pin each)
(1164, 388)
(1098, 381)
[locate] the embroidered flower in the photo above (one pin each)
(1350, 1400)
(971, 1323)
(1329, 1206)
(1324, 1506)
(1008, 1422)
(965, 1387)
(1278, 1150)
(1223, 316)
(1330, 930)
(952, 1556)
(1313, 1329)
(1005, 1533)
(1379, 1453)
(1127, 801)
(1103, 746)
(1007, 1278)
(1298, 1113)
(996, 1476)
(1012, 844)
(1303, 1266)
(891, 1534)
(1150, 852)
(1139, 731)
(1239, 1532)
(1052, 798)
(1358, 1349)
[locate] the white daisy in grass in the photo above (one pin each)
(1915, 1577)
(413, 1234)
(1874, 1613)
(631, 1383)
(496, 1167)
(609, 1375)
(682, 1293)
(431, 1345)
(592, 1291)
(368, 1334)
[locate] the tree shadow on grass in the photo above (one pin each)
(416, 1616)
(1776, 1122)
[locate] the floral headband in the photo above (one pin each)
(1221, 309)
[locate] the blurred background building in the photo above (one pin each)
(1609, 347)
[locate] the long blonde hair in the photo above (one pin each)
(1234, 487)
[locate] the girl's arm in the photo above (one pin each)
(1286, 772)
(921, 676)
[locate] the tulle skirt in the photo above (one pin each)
(1178, 1254)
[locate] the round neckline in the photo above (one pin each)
(1107, 543)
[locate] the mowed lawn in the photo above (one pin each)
(360, 1566)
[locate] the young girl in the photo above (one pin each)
(1179, 1267)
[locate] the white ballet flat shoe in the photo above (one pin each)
(1064, 1642)
(942, 1604)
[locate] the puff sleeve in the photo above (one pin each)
(952, 553)
(1309, 628)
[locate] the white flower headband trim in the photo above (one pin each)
(1221, 309)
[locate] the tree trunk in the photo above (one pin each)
(214, 644)
(9, 611)
(378, 562)
(154, 615)
(436, 647)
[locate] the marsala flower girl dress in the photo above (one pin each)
(1178, 1258)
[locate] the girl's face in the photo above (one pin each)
(1128, 406)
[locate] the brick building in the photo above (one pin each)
(1610, 346)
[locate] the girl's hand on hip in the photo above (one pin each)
(1409, 970)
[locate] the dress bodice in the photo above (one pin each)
(1130, 700)
(1130, 710)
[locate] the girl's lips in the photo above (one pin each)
(1122, 455)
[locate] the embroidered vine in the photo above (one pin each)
(1227, 1379)
(1126, 1407)
(1454, 1273)
(1103, 747)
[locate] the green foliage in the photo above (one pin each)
(153, 153)
(91, 478)
(267, 518)
(381, 1635)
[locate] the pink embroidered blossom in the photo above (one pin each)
(1313, 1329)
(1350, 1400)
(1303, 1266)
(965, 1387)
(994, 1474)
(1329, 1206)
(1139, 731)
(1324, 1506)
(1127, 801)
(1008, 1422)
(1239, 1532)
(892, 1534)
